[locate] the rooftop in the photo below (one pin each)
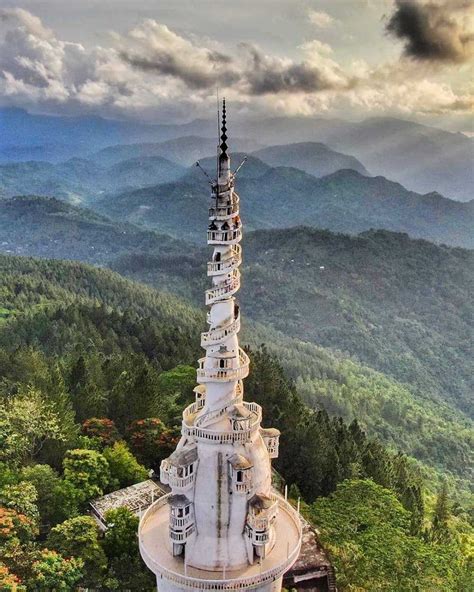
(154, 544)
(137, 498)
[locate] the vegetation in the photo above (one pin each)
(344, 201)
(78, 341)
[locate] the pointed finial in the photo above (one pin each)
(223, 145)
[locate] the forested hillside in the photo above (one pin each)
(78, 343)
(398, 305)
(344, 201)
(47, 227)
(79, 180)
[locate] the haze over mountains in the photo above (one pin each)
(344, 201)
(422, 158)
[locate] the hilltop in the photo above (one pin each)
(344, 201)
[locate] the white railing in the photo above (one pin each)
(181, 537)
(190, 430)
(215, 413)
(225, 210)
(176, 522)
(224, 374)
(224, 237)
(240, 583)
(226, 265)
(215, 336)
(226, 288)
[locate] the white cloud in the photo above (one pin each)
(154, 71)
(320, 19)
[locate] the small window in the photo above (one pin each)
(240, 476)
(186, 510)
(222, 363)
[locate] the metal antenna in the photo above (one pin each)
(208, 177)
(240, 166)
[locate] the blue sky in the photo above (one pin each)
(163, 60)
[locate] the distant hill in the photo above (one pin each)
(345, 201)
(423, 158)
(82, 180)
(184, 151)
(27, 136)
(399, 305)
(311, 157)
(47, 227)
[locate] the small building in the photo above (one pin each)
(137, 498)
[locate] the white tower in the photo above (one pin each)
(222, 527)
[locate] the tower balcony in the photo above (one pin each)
(224, 372)
(225, 208)
(226, 265)
(231, 436)
(271, 437)
(179, 469)
(224, 237)
(181, 520)
(262, 513)
(220, 334)
(224, 289)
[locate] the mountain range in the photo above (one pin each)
(399, 305)
(345, 201)
(422, 158)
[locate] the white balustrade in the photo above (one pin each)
(224, 374)
(219, 334)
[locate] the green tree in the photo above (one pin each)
(126, 569)
(79, 537)
(124, 468)
(57, 499)
(120, 538)
(440, 531)
(367, 533)
(27, 423)
(51, 571)
(88, 471)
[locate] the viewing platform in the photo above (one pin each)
(243, 435)
(219, 334)
(155, 550)
(224, 373)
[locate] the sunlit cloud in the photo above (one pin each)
(154, 71)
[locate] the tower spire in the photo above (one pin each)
(224, 138)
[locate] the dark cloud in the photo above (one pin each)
(433, 31)
(166, 64)
(266, 75)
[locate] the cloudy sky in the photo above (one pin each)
(163, 59)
